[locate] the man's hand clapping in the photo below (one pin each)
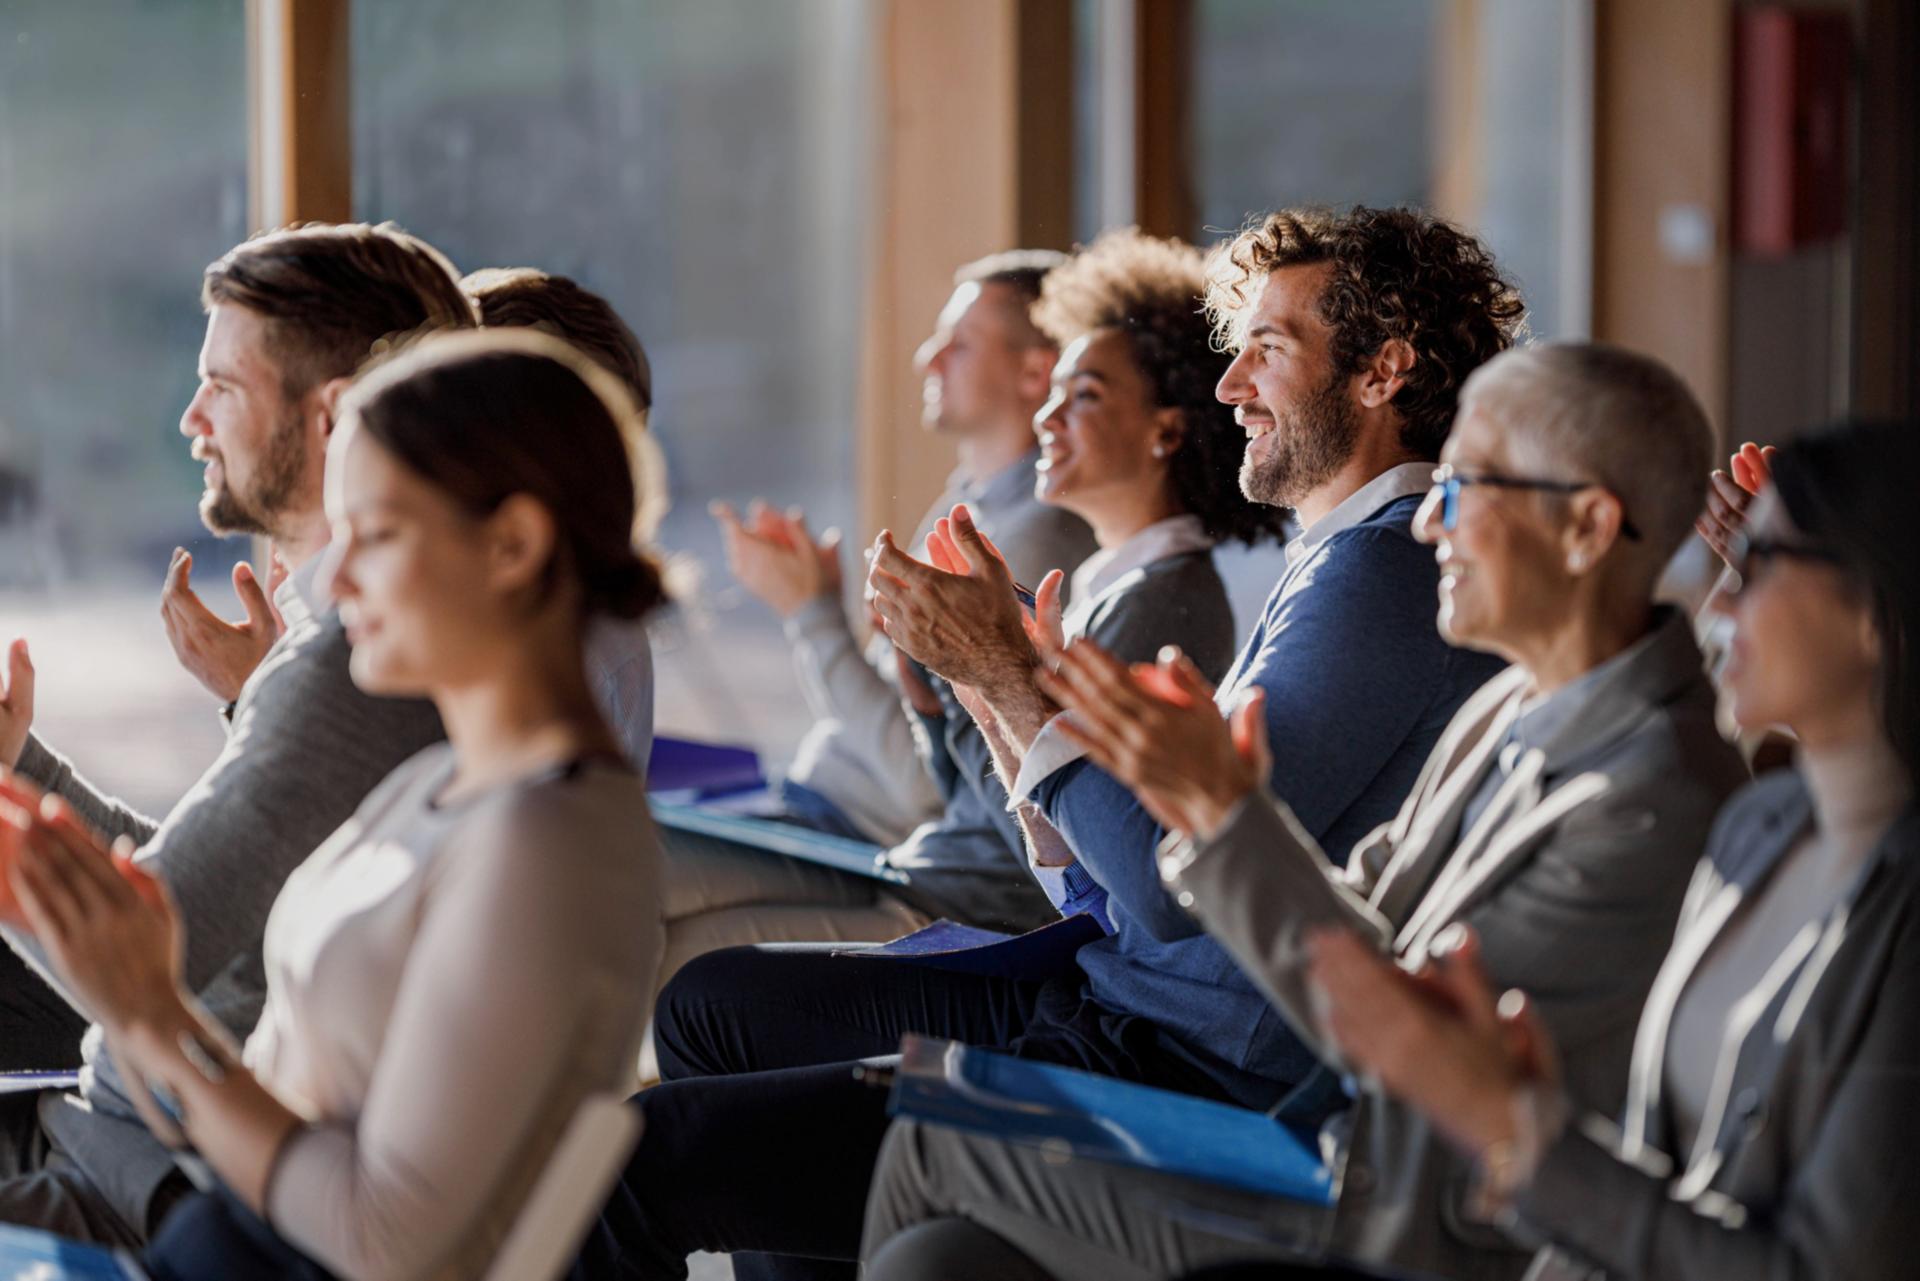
(965, 622)
(774, 557)
(218, 654)
(1156, 729)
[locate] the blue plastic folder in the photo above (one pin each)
(775, 836)
(34, 1082)
(701, 770)
(948, 945)
(30, 1255)
(1103, 1119)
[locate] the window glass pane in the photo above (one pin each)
(123, 151)
(703, 167)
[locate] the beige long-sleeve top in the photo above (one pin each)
(445, 984)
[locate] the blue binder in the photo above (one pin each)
(1104, 1119)
(30, 1255)
(857, 857)
(967, 949)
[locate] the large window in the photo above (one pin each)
(703, 166)
(123, 149)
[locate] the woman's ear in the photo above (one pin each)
(520, 538)
(1595, 517)
(1169, 430)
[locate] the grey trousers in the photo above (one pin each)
(1072, 1218)
(41, 1187)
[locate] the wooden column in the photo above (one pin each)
(1662, 122)
(301, 119)
(1164, 200)
(973, 155)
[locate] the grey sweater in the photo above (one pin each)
(303, 749)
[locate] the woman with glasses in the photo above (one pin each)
(1770, 1123)
(1558, 816)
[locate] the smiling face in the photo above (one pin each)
(253, 440)
(408, 569)
(1099, 429)
(1296, 407)
(1504, 581)
(971, 365)
(1804, 650)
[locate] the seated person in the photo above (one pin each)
(985, 369)
(1353, 330)
(291, 315)
(1557, 816)
(1133, 443)
(221, 655)
(619, 656)
(381, 1121)
(1769, 1116)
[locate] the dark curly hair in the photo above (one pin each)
(1150, 290)
(1397, 273)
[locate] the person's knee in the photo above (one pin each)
(950, 1250)
(689, 1009)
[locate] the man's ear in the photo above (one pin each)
(1036, 371)
(1382, 377)
(520, 538)
(328, 395)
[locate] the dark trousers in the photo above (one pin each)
(211, 1234)
(761, 1141)
(39, 1031)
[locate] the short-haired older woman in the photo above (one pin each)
(471, 955)
(1556, 816)
(1770, 1124)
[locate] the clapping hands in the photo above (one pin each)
(1155, 727)
(218, 654)
(776, 558)
(1729, 496)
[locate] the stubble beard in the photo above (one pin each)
(1309, 448)
(282, 469)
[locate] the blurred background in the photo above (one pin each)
(776, 194)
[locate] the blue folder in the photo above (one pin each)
(1104, 1119)
(700, 770)
(858, 857)
(967, 949)
(30, 1255)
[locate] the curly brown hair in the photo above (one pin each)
(1150, 290)
(1397, 273)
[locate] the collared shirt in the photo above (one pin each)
(1100, 572)
(297, 597)
(1052, 750)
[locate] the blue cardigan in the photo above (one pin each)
(1359, 685)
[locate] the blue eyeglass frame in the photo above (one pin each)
(1450, 482)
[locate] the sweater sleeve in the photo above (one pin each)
(1349, 661)
(842, 683)
(105, 814)
(526, 984)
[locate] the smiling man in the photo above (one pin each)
(291, 316)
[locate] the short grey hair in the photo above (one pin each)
(1590, 411)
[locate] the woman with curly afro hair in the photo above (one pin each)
(1135, 444)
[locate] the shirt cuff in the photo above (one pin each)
(1052, 751)
(822, 613)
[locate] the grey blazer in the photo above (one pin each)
(1813, 1167)
(1574, 890)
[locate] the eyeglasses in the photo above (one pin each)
(1448, 483)
(1748, 556)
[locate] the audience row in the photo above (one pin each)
(1453, 874)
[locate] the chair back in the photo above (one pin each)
(547, 1234)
